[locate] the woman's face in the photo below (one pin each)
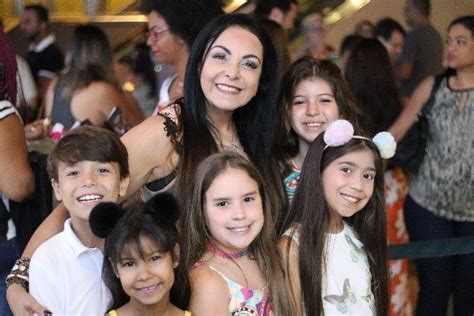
(231, 70)
(163, 44)
(460, 44)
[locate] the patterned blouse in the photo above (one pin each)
(244, 301)
(445, 182)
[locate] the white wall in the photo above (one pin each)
(442, 13)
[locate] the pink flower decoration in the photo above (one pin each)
(338, 133)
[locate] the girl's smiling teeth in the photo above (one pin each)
(149, 289)
(350, 198)
(313, 124)
(239, 229)
(90, 197)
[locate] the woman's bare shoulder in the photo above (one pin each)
(151, 152)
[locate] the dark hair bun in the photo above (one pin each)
(164, 208)
(104, 217)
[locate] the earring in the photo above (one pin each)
(175, 264)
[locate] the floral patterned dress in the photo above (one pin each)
(396, 189)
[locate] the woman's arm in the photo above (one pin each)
(290, 262)
(17, 183)
(17, 180)
(52, 225)
(209, 293)
(49, 99)
(409, 113)
(151, 154)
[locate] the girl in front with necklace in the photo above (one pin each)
(228, 240)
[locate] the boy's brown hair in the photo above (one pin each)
(88, 143)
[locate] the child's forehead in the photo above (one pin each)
(69, 164)
(363, 158)
(139, 248)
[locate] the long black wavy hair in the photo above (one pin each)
(255, 122)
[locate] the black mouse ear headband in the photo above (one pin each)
(104, 217)
(163, 207)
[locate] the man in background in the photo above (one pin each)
(392, 35)
(422, 53)
(283, 12)
(44, 57)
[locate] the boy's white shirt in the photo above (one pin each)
(66, 276)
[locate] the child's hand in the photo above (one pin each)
(23, 304)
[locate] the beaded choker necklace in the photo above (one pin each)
(227, 255)
(232, 256)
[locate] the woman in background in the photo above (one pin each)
(440, 202)
(87, 90)
(172, 27)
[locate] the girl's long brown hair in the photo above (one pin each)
(307, 68)
(263, 248)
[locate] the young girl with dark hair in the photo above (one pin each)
(313, 95)
(334, 246)
(141, 257)
(229, 241)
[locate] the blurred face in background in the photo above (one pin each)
(289, 17)
(164, 45)
(460, 44)
(394, 44)
(31, 25)
(410, 13)
(314, 30)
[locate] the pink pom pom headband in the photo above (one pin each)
(341, 132)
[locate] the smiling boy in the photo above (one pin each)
(88, 166)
